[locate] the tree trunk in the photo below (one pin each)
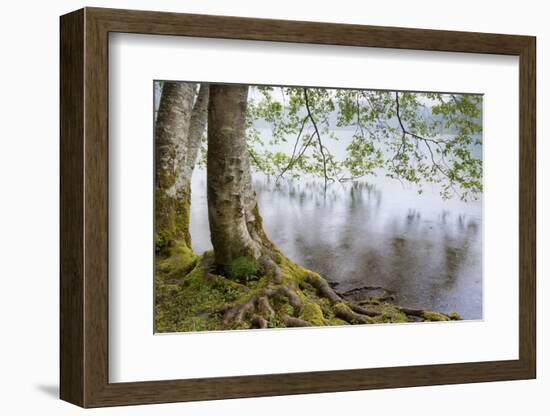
(171, 141)
(197, 126)
(235, 225)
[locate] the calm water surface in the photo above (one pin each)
(371, 233)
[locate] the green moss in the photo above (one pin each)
(292, 272)
(183, 213)
(455, 316)
(435, 316)
(259, 283)
(244, 269)
(337, 322)
(161, 244)
(179, 262)
(172, 212)
(276, 322)
(311, 312)
(165, 219)
(390, 314)
(194, 303)
(259, 228)
(281, 304)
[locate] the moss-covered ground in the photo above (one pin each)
(192, 296)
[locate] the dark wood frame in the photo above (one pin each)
(84, 207)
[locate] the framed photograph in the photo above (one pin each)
(256, 207)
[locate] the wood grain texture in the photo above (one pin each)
(527, 208)
(71, 208)
(225, 27)
(84, 207)
(96, 219)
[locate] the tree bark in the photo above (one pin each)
(235, 224)
(197, 126)
(171, 141)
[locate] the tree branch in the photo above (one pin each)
(253, 157)
(318, 136)
(292, 160)
(426, 141)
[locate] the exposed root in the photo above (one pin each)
(264, 307)
(259, 322)
(412, 312)
(292, 297)
(259, 306)
(291, 321)
(237, 313)
(271, 269)
(343, 309)
(287, 295)
(345, 312)
(366, 288)
(362, 310)
(323, 288)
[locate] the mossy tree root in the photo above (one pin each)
(194, 296)
(343, 309)
(303, 298)
(285, 299)
(260, 309)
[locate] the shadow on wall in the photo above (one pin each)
(51, 390)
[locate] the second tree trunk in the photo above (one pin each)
(235, 224)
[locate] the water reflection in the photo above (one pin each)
(377, 233)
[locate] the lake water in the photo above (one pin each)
(371, 233)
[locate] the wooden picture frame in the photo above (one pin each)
(84, 207)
